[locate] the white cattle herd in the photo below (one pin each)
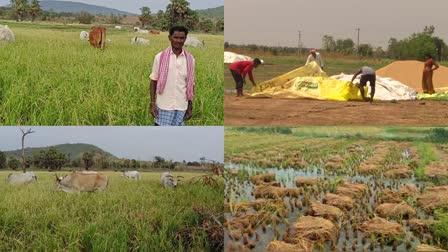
(88, 181)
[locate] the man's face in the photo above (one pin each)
(177, 39)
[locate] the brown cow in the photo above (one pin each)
(153, 32)
(97, 37)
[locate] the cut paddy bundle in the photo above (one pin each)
(436, 170)
(281, 246)
(433, 197)
(368, 168)
(274, 192)
(400, 171)
(426, 247)
(268, 177)
(315, 229)
(420, 226)
(390, 196)
(391, 210)
(382, 227)
(256, 204)
(335, 163)
(306, 181)
(325, 211)
(408, 190)
(247, 221)
(350, 189)
(273, 183)
(339, 201)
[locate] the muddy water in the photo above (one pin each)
(350, 238)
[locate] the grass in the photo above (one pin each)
(50, 77)
(279, 65)
(427, 155)
(129, 216)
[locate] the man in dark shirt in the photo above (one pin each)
(239, 71)
(367, 75)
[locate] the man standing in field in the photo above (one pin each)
(240, 69)
(172, 82)
(315, 56)
(367, 75)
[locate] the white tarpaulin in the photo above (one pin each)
(230, 57)
(386, 89)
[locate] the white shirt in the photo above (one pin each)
(317, 59)
(365, 70)
(174, 95)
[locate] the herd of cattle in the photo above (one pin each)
(88, 181)
(97, 36)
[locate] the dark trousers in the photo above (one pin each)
(238, 79)
(371, 78)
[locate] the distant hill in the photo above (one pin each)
(70, 150)
(217, 12)
(75, 7)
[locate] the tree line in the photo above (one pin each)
(413, 47)
(177, 12)
(53, 160)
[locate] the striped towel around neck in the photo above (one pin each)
(164, 68)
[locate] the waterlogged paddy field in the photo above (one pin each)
(301, 193)
(129, 216)
(50, 77)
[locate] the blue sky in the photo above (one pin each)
(134, 6)
(143, 143)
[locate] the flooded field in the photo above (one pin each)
(289, 193)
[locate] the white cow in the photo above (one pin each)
(82, 182)
(84, 35)
(131, 174)
(118, 27)
(21, 178)
(139, 41)
(193, 42)
(143, 31)
(168, 180)
(6, 34)
(136, 29)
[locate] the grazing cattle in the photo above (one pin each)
(82, 182)
(194, 42)
(136, 29)
(6, 34)
(143, 31)
(118, 27)
(131, 174)
(168, 180)
(139, 41)
(97, 37)
(154, 32)
(22, 178)
(84, 35)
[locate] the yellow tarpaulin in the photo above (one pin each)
(306, 82)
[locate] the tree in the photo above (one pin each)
(178, 13)
(206, 25)
(161, 21)
(345, 46)
(145, 17)
(87, 158)
(2, 160)
(159, 160)
(54, 159)
(19, 9)
(115, 19)
(13, 163)
(328, 43)
(85, 17)
(24, 133)
(365, 50)
(127, 163)
(219, 25)
(35, 9)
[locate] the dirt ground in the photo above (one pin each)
(294, 112)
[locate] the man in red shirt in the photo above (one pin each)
(239, 70)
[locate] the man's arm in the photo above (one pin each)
(356, 74)
(189, 112)
(435, 66)
(152, 92)
(308, 60)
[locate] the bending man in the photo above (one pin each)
(367, 75)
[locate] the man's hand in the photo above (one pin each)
(153, 110)
(189, 112)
